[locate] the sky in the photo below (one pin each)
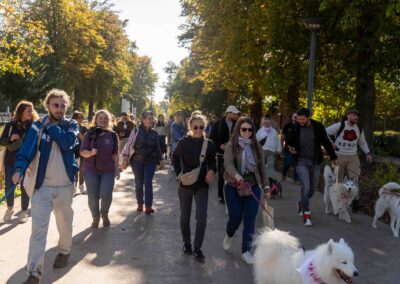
(153, 24)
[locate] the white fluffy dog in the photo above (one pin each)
(280, 259)
(338, 195)
(389, 200)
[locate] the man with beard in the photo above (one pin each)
(304, 142)
(346, 136)
(220, 135)
(54, 187)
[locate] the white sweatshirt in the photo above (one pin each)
(272, 144)
(348, 140)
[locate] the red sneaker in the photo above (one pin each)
(140, 207)
(149, 210)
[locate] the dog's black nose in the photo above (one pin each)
(355, 273)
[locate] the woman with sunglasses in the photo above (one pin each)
(187, 158)
(12, 138)
(243, 162)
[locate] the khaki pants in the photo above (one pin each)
(270, 163)
(349, 165)
(45, 200)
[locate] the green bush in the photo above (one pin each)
(387, 173)
(388, 144)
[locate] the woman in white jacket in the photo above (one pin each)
(269, 140)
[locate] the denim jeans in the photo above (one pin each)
(239, 208)
(9, 171)
(144, 174)
(99, 186)
(308, 172)
(59, 200)
(221, 180)
(200, 196)
(287, 162)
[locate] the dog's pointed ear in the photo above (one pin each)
(341, 241)
(345, 179)
(331, 245)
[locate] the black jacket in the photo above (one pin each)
(187, 157)
(147, 147)
(321, 139)
(220, 133)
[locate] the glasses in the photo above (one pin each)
(61, 106)
(245, 129)
(201, 127)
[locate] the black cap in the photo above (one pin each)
(353, 110)
(123, 113)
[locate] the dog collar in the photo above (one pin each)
(308, 272)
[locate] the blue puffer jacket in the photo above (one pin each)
(64, 134)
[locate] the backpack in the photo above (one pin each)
(341, 128)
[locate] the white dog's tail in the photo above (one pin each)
(390, 186)
(328, 176)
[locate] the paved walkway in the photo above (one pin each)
(147, 249)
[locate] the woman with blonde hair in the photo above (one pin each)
(100, 165)
(12, 138)
(194, 152)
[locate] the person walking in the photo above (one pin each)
(244, 166)
(194, 151)
(143, 153)
(304, 142)
(80, 181)
(12, 138)
(54, 187)
(220, 135)
(288, 159)
(161, 127)
(269, 139)
(100, 152)
(123, 128)
(346, 136)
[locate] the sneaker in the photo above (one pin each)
(227, 242)
(8, 215)
(61, 261)
(247, 257)
(31, 280)
(221, 200)
(140, 207)
(198, 254)
(187, 249)
(106, 221)
(95, 222)
(23, 217)
(307, 219)
(307, 223)
(82, 189)
(149, 210)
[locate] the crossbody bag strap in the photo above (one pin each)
(203, 151)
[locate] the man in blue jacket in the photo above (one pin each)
(54, 187)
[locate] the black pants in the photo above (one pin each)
(221, 181)
(200, 196)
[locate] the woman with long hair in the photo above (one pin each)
(12, 138)
(244, 168)
(100, 165)
(161, 128)
(187, 158)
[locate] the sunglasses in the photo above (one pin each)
(61, 106)
(245, 129)
(201, 127)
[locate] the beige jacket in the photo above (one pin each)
(231, 170)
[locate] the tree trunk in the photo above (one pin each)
(77, 99)
(256, 108)
(91, 110)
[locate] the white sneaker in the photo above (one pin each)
(8, 215)
(23, 217)
(82, 188)
(308, 223)
(227, 242)
(247, 257)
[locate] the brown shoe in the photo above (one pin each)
(149, 210)
(140, 207)
(106, 221)
(95, 223)
(61, 260)
(31, 280)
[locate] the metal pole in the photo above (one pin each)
(311, 69)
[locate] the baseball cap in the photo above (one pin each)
(232, 109)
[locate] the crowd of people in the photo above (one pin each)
(74, 157)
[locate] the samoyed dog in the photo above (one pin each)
(339, 195)
(280, 259)
(389, 200)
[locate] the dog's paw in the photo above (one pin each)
(396, 236)
(374, 226)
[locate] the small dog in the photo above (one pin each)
(389, 200)
(276, 188)
(280, 259)
(338, 196)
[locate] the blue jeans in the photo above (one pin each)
(309, 172)
(99, 186)
(239, 208)
(287, 162)
(9, 171)
(144, 174)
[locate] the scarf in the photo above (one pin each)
(308, 273)
(248, 164)
(268, 130)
